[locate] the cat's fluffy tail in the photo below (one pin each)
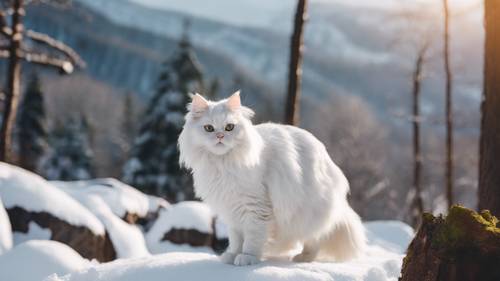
(347, 238)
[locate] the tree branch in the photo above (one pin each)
(43, 59)
(58, 45)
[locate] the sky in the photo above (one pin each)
(264, 13)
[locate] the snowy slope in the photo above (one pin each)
(31, 192)
(378, 264)
(36, 259)
(5, 230)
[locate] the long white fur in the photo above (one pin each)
(274, 185)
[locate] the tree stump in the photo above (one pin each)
(464, 246)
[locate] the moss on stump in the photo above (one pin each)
(463, 246)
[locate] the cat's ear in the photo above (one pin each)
(199, 104)
(234, 101)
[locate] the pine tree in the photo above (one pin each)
(70, 157)
(154, 166)
(32, 132)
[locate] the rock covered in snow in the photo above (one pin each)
(127, 239)
(37, 259)
(32, 201)
(124, 200)
(188, 223)
(5, 230)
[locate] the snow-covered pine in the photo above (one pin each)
(70, 154)
(32, 131)
(153, 166)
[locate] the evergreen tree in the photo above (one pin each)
(70, 156)
(32, 132)
(154, 165)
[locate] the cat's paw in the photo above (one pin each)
(245, 259)
(304, 257)
(227, 257)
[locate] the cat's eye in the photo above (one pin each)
(209, 128)
(229, 127)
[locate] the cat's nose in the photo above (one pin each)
(220, 135)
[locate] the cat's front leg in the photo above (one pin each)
(254, 238)
(234, 248)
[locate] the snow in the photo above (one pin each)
(35, 232)
(37, 259)
(183, 215)
(128, 240)
(5, 230)
(120, 197)
(377, 265)
(382, 262)
(31, 192)
(392, 236)
(155, 203)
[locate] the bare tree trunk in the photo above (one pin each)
(449, 109)
(489, 152)
(418, 207)
(295, 69)
(13, 82)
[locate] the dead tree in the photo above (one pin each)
(295, 67)
(449, 108)
(418, 206)
(12, 47)
(489, 152)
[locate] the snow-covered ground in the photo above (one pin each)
(382, 262)
(37, 260)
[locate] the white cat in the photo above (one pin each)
(274, 185)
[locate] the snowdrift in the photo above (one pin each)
(382, 261)
(36, 259)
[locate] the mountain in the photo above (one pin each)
(348, 51)
(128, 58)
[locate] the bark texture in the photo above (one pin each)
(464, 246)
(13, 82)
(489, 168)
(295, 68)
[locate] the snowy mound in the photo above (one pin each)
(36, 259)
(5, 231)
(187, 222)
(121, 198)
(20, 188)
(128, 240)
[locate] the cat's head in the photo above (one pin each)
(216, 127)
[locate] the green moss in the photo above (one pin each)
(466, 230)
